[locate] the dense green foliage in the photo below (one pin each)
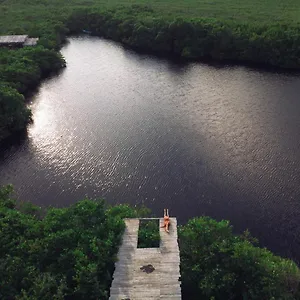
(20, 71)
(23, 68)
(138, 27)
(148, 236)
(14, 114)
(68, 253)
(255, 31)
(215, 264)
(37, 17)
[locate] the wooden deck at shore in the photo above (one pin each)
(17, 41)
(147, 273)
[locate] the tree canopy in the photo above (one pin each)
(22, 70)
(216, 264)
(61, 253)
(69, 253)
(215, 35)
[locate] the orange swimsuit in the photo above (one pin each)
(166, 223)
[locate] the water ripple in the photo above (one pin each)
(222, 141)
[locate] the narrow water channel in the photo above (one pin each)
(221, 141)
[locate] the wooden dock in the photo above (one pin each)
(17, 41)
(147, 273)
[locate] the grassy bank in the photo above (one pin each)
(69, 253)
(201, 38)
(17, 14)
(265, 32)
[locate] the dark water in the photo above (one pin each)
(198, 139)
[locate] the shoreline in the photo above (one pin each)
(138, 28)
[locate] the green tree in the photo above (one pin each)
(67, 254)
(215, 264)
(14, 115)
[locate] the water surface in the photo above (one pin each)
(209, 140)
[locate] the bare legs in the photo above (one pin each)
(166, 212)
(166, 220)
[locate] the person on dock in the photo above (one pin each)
(166, 220)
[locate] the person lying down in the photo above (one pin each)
(166, 220)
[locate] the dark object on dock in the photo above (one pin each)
(17, 41)
(148, 269)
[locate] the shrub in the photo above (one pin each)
(148, 236)
(215, 264)
(70, 253)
